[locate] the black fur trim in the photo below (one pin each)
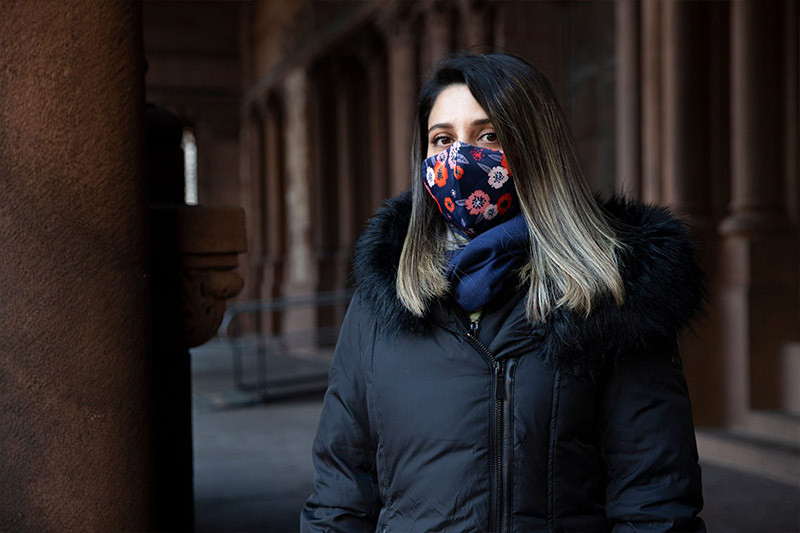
(375, 259)
(664, 292)
(663, 287)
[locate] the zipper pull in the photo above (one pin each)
(474, 323)
(500, 383)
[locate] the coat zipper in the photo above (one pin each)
(498, 433)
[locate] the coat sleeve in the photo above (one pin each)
(345, 496)
(648, 440)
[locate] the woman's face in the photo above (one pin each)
(457, 116)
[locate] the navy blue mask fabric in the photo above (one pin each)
(472, 186)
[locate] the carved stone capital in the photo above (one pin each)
(203, 296)
(194, 253)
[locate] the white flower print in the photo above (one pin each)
(490, 212)
(451, 160)
(497, 177)
(430, 176)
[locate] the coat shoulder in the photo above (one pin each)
(375, 259)
(664, 287)
(664, 293)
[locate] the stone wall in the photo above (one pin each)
(74, 316)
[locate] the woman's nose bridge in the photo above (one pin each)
(463, 135)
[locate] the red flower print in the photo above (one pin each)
(503, 203)
(441, 174)
(477, 202)
(448, 203)
(504, 163)
(458, 172)
(477, 155)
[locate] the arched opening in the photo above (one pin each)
(189, 145)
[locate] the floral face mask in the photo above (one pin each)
(472, 186)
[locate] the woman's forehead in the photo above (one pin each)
(455, 105)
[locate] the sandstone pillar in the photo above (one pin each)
(684, 148)
(792, 114)
(374, 65)
(439, 28)
(627, 99)
(251, 172)
(651, 100)
(192, 252)
(760, 249)
(351, 180)
(402, 96)
(687, 179)
(301, 264)
(477, 22)
(346, 145)
(273, 208)
(74, 320)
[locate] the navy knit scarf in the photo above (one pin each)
(488, 264)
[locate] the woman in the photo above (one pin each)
(509, 360)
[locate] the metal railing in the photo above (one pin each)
(284, 362)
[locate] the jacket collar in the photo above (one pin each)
(663, 286)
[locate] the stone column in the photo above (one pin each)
(251, 172)
(685, 100)
(374, 65)
(346, 134)
(651, 100)
(273, 207)
(628, 99)
(439, 27)
(350, 179)
(686, 187)
(760, 248)
(402, 95)
(792, 114)
(74, 320)
(477, 21)
(301, 265)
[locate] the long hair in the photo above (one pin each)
(573, 248)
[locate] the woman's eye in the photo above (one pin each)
(440, 140)
(489, 137)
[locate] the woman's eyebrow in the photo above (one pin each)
(445, 125)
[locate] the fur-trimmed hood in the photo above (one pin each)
(663, 288)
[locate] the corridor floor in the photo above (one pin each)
(253, 467)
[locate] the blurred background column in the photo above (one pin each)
(402, 84)
(301, 264)
(373, 63)
(272, 207)
(627, 98)
(760, 251)
(651, 130)
(74, 320)
(685, 166)
(253, 194)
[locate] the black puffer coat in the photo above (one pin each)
(579, 424)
